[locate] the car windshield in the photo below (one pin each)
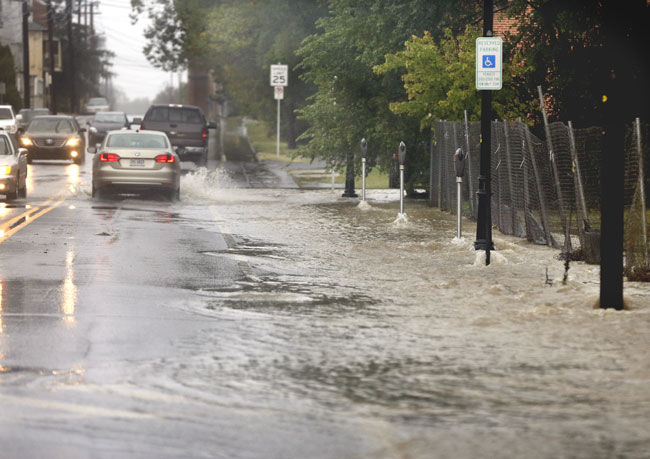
(136, 141)
(51, 125)
(97, 101)
(177, 114)
(5, 114)
(109, 118)
(28, 113)
(4, 146)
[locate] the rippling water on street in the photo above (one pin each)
(397, 329)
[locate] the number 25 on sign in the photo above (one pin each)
(279, 75)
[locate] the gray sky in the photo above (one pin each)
(133, 73)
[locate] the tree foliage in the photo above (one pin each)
(439, 79)
(238, 40)
(564, 46)
(8, 77)
(351, 100)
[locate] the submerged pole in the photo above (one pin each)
(484, 223)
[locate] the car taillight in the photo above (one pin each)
(204, 134)
(109, 157)
(165, 158)
(142, 128)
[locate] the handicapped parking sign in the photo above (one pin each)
(489, 61)
(489, 56)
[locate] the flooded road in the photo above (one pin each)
(277, 322)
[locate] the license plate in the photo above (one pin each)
(136, 163)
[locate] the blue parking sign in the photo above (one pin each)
(489, 61)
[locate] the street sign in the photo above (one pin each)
(278, 92)
(489, 58)
(279, 75)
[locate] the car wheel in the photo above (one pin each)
(22, 191)
(173, 195)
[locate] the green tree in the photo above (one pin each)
(439, 79)
(238, 40)
(352, 101)
(563, 44)
(8, 77)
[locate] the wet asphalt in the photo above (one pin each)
(252, 319)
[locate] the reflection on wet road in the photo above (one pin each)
(257, 322)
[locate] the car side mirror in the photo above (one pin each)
(22, 151)
(212, 124)
(92, 150)
(19, 117)
(20, 131)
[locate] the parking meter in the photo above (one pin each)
(459, 165)
(459, 162)
(401, 155)
(364, 151)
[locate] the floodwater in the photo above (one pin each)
(330, 329)
(397, 329)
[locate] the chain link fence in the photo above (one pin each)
(547, 189)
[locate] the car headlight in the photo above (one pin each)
(5, 170)
(72, 142)
(26, 141)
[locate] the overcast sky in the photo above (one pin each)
(133, 73)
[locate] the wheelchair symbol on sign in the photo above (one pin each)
(489, 61)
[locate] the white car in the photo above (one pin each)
(13, 168)
(8, 119)
(97, 104)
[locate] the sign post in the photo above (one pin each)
(279, 79)
(401, 156)
(364, 151)
(488, 78)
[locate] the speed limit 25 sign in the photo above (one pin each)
(279, 75)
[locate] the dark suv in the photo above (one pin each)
(186, 127)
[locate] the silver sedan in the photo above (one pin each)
(136, 161)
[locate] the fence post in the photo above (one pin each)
(580, 193)
(637, 125)
(468, 159)
(556, 175)
(455, 133)
(440, 147)
(526, 185)
(540, 191)
(497, 183)
(513, 210)
(431, 169)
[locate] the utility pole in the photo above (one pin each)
(50, 43)
(26, 88)
(86, 23)
(73, 73)
(484, 223)
(92, 21)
